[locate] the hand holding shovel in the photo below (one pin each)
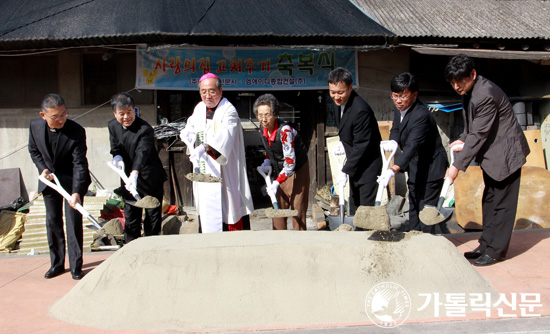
(375, 217)
(57, 186)
(431, 215)
(342, 179)
(148, 202)
(275, 212)
(195, 157)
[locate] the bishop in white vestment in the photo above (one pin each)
(214, 137)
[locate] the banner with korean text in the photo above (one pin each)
(240, 68)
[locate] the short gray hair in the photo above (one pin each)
(267, 100)
(52, 101)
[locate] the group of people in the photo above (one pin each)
(414, 130)
(57, 146)
(492, 138)
(213, 135)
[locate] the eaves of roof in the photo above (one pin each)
(497, 19)
(63, 23)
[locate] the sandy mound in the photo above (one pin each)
(430, 216)
(345, 228)
(372, 218)
(262, 279)
(202, 178)
(272, 213)
(147, 202)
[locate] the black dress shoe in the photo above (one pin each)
(473, 254)
(77, 274)
(484, 260)
(53, 272)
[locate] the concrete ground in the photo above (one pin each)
(25, 296)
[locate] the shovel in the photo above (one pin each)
(196, 175)
(340, 223)
(375, 217)
(57, 186)
(148, 202)
(431, 215)
(275, 212)
(341, 197)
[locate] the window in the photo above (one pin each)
(108, 73)
(25, 80)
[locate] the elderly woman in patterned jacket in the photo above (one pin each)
(287, 155)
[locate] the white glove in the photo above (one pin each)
(117, 161)
(132, 182)
(187, 136)
(385, 177)
(265, 166)
(196, 155)
(342, 179)
(389, 145)
(339, 150)
(273, 187)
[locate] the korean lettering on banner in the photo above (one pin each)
(241, 68)
(285, 63)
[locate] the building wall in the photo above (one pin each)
(375, 68)
(14, 124)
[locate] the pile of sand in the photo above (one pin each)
(372, 218)
(272, 213)
(147, 202)
(430, 216)
(196, 177)
(262, 280)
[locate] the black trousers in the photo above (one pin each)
(421, 194)
(133, 215)
(56, 236)
(499, 206)
(361, 194)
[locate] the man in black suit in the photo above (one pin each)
(132, 142)
(493, 137)
(423, 158)
(360, 137)
(58, 145)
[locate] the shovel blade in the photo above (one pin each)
(372, 218)
(431, 216)
(147, 202)
(92, 227)
(272, 213)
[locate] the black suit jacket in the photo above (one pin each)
(423, 156)
(136, 146)
(358, 131)
(492, 134)
(68, 162)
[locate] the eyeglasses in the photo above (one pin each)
(400, 97)
(56, 117)
(265, 116)
(211, 92)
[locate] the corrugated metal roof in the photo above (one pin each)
(39, 23)
(501, 19)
